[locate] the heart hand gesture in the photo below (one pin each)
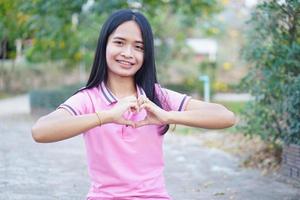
(123, 105)
(155, 115)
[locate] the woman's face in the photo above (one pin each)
(125, 50)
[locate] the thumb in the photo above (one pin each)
(127, 122)
(142, 123)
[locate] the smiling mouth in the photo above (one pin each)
(125, 63)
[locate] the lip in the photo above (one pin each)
(125, 63)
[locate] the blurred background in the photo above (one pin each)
(47, 45)
(52, 43)
(244, 54)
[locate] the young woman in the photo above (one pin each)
(124, 113)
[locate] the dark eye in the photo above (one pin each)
(117, 42)
(140, 48)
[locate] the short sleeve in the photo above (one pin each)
(76, 104)
(172, 100)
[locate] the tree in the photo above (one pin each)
(48, 23)
(53, 34)
(273, 49)
(60, 30)
(13, 25)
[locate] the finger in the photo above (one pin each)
(128, 123)
(142, 100)
(142, 123)
(146, 106)
(134, 107)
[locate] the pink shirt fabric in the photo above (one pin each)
(124, 163)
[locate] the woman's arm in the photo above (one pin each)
(60, 124)
(203, 115)
(197, 114)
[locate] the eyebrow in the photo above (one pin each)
(120, 38)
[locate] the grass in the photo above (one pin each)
(235, 106)
(4, 95)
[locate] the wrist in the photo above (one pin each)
(104, 117)
(170, 117)
(99, 118)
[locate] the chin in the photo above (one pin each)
(121, 73)
(124, 72)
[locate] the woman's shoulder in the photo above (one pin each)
(87, 91)
(164, 91)
(83, 99)
(160, 90)
(86, 94)
(175, 100)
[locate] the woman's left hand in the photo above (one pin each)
(155, 115)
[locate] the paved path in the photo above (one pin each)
(17, 105)
(232, 97)
(57, 171)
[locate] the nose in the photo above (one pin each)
(127, 52)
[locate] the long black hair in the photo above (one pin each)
(145, 77)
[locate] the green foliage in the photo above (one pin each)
(53, 35)
(208, 67)
(273, 48)
(188, 86)
(235, 106)
(12, 26)
(48, 25)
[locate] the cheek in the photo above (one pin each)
(107, 57)
(109, 54)
(140, 58)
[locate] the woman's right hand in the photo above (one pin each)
(126, 104)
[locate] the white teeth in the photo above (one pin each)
(124, 62)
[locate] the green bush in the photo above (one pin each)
(50, 99)
(273, 49)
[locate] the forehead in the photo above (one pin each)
(129, 30)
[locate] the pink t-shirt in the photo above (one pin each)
(124, 163)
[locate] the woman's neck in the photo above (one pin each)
(122, 87)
